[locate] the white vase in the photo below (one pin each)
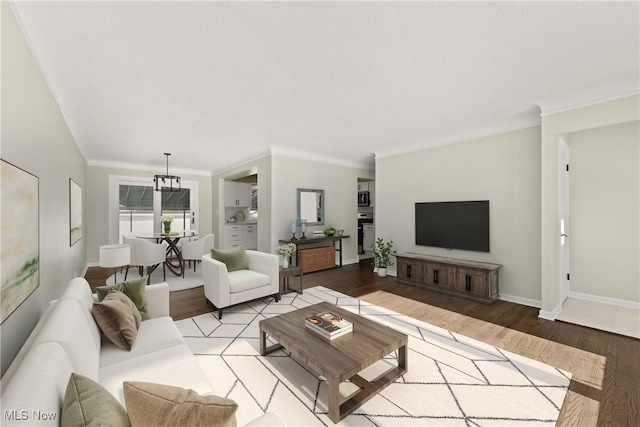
(382, 271)
(285, 262)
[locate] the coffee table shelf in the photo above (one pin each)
(339, 359)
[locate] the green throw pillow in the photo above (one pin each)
(87, 403)
(235, 259)
(136, 291)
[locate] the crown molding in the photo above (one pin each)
(307, 155)
(561, 109)
(148, 168)
(464, 136)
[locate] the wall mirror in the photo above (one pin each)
(310, 206)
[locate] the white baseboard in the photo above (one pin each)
(550, 315)
(84, 270)
(605, 300)
(520, 300)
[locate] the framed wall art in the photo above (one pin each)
(75, 212)
(20, 246)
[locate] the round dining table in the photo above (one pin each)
(173, 259)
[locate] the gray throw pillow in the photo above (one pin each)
(87, 403)
(235, 259)
(118, 319)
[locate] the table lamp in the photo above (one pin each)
(114, 256)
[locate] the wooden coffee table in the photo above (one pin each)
(342, 358)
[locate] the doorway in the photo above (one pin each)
(565, 258)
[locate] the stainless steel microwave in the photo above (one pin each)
(363, 198)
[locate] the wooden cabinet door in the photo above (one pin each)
(437, 275)
(408, 270)
(472, 282)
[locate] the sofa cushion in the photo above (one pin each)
(87, 403)
(153, 334)
(135, 289)
(68, 326)
(38, 384)
(79, 290)
(244, 280)
(152, 404)
(235, 259)
(172, 366)
(118, 318)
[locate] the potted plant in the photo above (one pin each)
(382, 252)
(329, 231)
(166, 223)
(286, 251)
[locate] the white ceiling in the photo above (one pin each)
(220, 83)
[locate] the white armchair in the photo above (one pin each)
(224, 289)
(194, 249)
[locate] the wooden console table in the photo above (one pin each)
(308, 244)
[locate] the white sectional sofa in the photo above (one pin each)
(67, 339)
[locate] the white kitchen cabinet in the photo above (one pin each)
(250, 236)
(233, 235)
(245, 235)
(237, 194)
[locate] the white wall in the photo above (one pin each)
(604, 234)
(340, 190)
(555, 126)
(504, 169)
(35, 137)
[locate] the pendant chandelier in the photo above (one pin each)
(167, 182)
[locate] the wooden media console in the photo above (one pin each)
(473, 280)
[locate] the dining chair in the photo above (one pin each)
(193, 250)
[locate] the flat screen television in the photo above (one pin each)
(453, 225)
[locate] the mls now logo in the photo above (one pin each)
(24, 415)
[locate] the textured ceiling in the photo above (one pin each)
(220, 83)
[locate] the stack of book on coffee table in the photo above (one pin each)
(328, 325)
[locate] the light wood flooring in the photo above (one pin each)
(604, 390)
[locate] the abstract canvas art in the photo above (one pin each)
(75, 212)
(19, 225)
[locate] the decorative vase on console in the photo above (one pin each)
(286, 251)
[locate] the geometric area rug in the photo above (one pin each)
(452, 380)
